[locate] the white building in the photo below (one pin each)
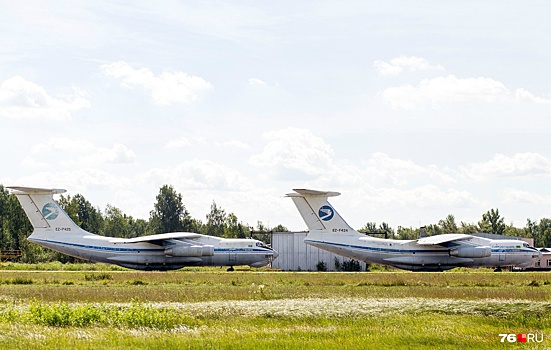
(545, 262)
(295, 255)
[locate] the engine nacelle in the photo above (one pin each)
(190, 250)
(471, 252)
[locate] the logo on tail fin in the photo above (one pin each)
(326, 213)
(50, 211)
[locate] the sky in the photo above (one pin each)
(411, 111)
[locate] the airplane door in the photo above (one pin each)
(233, 257)
(502, 257)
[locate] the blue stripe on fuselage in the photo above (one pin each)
(134, 250)
(411, 251)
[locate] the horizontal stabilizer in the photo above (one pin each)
(34, 190)
(440, 239)
(312, 193)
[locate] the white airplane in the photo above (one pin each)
(54, 229)
(328, 231)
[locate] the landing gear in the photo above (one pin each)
(497, 269)
(230, 269)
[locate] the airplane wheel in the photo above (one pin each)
(230, 269)
(497, 269)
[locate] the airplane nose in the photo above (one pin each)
(276, 254)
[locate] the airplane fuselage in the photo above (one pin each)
(54, 229)
(408, 255)
(171, 255)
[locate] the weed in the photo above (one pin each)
(98, 276)
(21, 280)
(139, 283)
(534, 283)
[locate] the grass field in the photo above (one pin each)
(96, 306)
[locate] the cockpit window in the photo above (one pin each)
(262, 245)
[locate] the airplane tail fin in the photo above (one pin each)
(317, 213)
(42, 211)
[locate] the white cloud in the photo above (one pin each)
(23, 99)
(427, 196)
(516, 196)
(75, 181)
(294, 153)
(383, 169)
(64, 144)
(524, 95)
(29, 162)
(179, 143)
(503, 166)
(446, 89)
(436, 91)
(234, 144)
(256, 82)
(199, 174)
(81, 153)
(399, 64)
(165, 89)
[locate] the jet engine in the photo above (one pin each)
(471, 252)
(190, 250)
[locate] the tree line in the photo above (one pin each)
(492, 222)
(169, 214)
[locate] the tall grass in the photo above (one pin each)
(348, 323)
(210, 285)
(260, 310)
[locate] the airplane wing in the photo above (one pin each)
(443, 239)
(156, 239)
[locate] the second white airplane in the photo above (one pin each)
(328, 231)
(54, 229)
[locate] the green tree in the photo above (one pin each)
(7, 239)
(170, 214)
(137, 227)
(371, 229)
(448, 224)
(115, 223)
(82, 212)
(387, 230)
(492, 222)
(280, 228)
(216, 221)
(70, 206)
(542, 236)
(511, 230)
(196, 225)
(232, 227)
(90, 218)
(407, 233)
(466, 228)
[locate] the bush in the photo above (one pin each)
(351, 265)
(347, 265)
(321, 266)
